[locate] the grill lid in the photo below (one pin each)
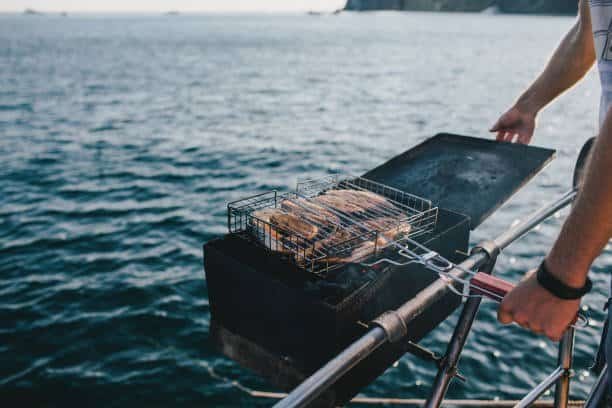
(468, 175)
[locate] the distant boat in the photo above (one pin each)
(64, 14)
(31, 12)
(315, 13)
(172, 13)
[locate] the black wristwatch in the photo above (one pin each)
(558, 288)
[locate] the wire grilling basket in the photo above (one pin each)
(328, 222)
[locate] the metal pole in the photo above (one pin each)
(515, 233)
(566, 353)
(534, 394)
(599, 391)
(316, 384)
(566, 345)
(323, 378)
(455, 347)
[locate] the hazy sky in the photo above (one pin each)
(165, 5)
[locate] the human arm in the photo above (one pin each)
(571, 60)
(585, 233)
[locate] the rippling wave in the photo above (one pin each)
(122, 138)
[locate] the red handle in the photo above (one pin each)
(490, 286)
(496, 288)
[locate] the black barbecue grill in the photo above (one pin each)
(280, 308)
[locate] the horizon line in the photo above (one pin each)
(42, 12)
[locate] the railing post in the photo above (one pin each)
(566, 355)
(566, 345)
(599, 391)
(453, 352)
(449, 364)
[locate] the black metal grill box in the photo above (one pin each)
(273, 318)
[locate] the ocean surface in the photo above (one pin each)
(122, 138)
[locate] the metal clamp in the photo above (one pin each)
(393, 325)
(488, 247)
(428, 355)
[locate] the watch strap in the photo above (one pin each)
(559, 289)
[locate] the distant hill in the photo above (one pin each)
(568, 7)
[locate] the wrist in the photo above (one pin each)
(528, 104)
(571, 275)
(558, 288)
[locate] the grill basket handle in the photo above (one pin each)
(490, 286)
(495, 288)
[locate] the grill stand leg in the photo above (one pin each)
(448, 370)
(566, 354)
(449, 365)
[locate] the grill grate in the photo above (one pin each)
(330, 235)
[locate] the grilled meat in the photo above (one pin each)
(360, 252)
(337, 202)
(312, 212)
(281, 221)
(334, 239)
(266, 231)
(388, 228)
(293, 223)
(355, 201)
(365, 200)
(326, 231)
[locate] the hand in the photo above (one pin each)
(536, 309)
(516, 124)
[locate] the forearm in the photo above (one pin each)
(571, 60)
(589, 226)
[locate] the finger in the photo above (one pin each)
(513, 137)
(504, 315)
(522, 323)
(523, 139)
(527, 325)
(554, 332)
(495, 127)
(501, 135)
(522, 320)
(553, 335)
